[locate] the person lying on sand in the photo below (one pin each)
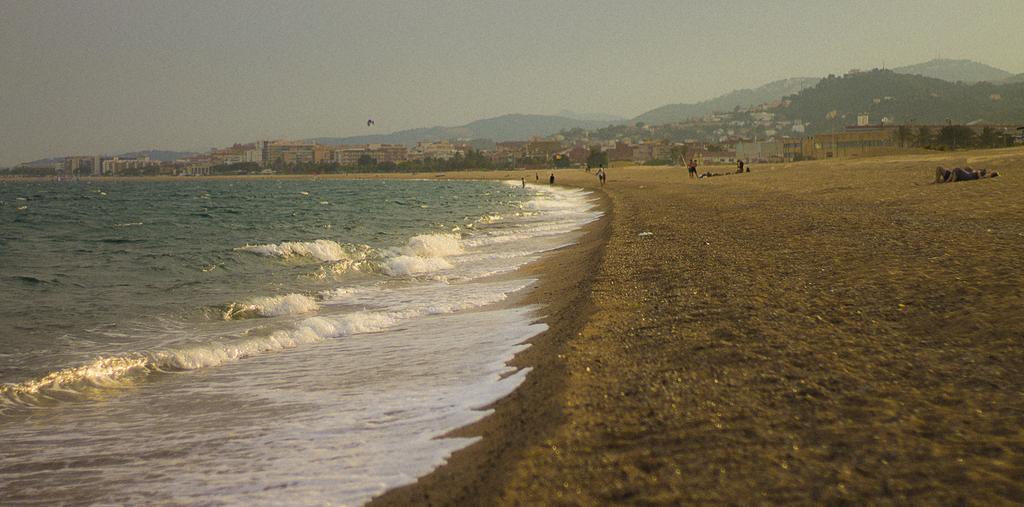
(943, 175)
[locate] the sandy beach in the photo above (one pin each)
(817, 332)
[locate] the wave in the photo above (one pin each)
(433, 245)
(275, 306)
(32, 280)
(122, 370)
(405, 265)
(322, 249)
(481, 251)
(421, 254)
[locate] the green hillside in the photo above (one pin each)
(904, 98)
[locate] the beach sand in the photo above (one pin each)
(816, 332)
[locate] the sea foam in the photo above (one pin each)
(274, 306)
(321, 249)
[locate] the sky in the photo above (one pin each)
(105, 77)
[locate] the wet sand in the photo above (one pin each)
(817, 332)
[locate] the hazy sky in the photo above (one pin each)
(82, 77)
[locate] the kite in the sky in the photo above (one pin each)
(369, 122)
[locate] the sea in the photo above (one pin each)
(258, 342)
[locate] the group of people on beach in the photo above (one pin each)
(943, 175)
(741, 167)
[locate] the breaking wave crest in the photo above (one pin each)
(322, 249)
(291, 304)
(122, 370)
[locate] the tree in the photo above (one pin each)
(956, 136)
(366, 160)
(597, 158)
(924, 136)
(679, 152)
(904, 136)
(988, 138)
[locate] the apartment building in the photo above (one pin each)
(288, 153)
(116, 165)
(83, 165)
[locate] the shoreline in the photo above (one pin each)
(477, 474)
(820, 332)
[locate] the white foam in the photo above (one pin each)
(405, 265)
(321, 249)
(393, 308)
(433, 245)
(292, 304)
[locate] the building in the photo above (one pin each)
(194, 169)
(227, 157)
(715, 157)
(578, 154)
(83, 165)
(115, 166)
(285, 152)
(322, 154)
(648, 151)
(542, 149)
(750, 151)
(349, 155)
(852, 143)
(252, 155)
(439, 150)
(621, 151)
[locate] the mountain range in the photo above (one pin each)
(943, 73)
(966, 71)
(507, 127)
(524, 126)
(739, 98)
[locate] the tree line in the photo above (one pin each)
(951, 137)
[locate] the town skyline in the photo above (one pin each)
(171, 77)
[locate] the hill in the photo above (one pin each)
(1019, 78)
(967, 71)
(904, 98)
(600, 117)
(508, 127)
(775, 90)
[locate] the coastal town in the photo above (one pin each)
(859, 114)
(755, 136)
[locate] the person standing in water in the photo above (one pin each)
(524, 182)
(551, 179)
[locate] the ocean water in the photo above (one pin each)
(257, 342)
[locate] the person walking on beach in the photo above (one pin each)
(692, 168)
(536, 176)
(551, 179)
(524, 182)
